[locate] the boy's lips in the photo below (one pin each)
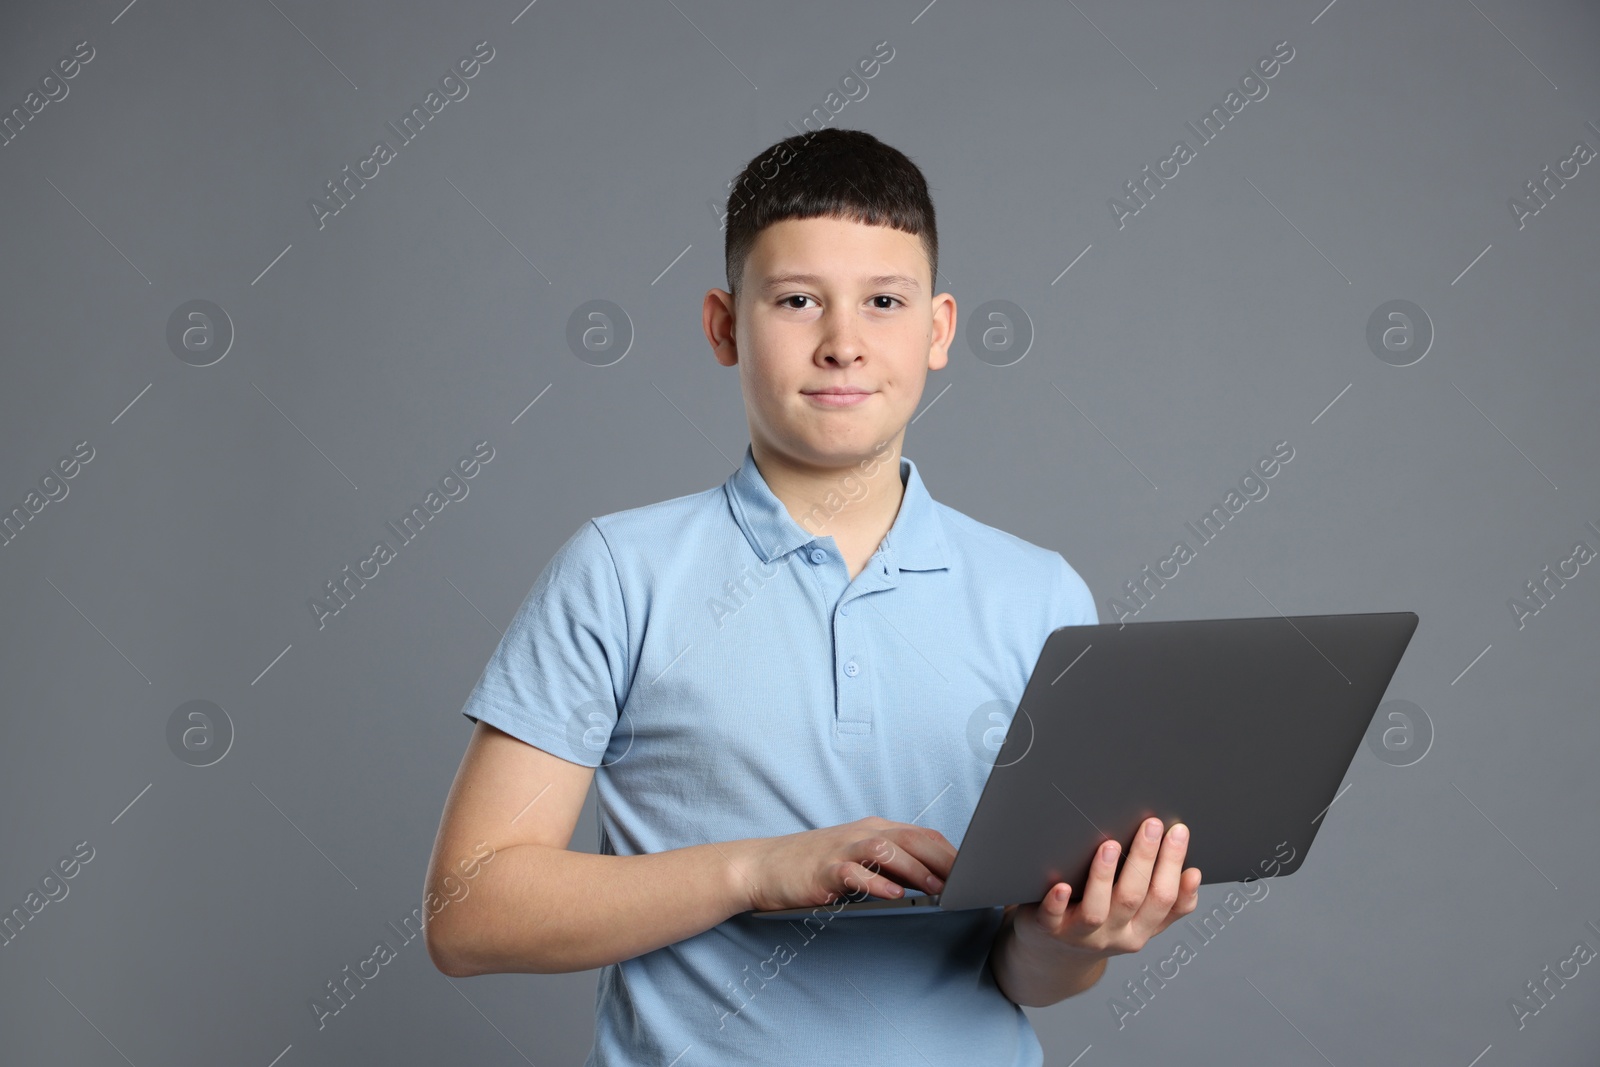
(837, 398)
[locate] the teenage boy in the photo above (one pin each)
(772, 684)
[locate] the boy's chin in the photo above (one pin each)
(836, 452)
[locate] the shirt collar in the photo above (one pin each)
(914, 542)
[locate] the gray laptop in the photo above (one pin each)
(1242, 729)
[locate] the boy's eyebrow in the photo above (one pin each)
(903, 280)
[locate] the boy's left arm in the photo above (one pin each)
(1046, 952)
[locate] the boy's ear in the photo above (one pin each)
(718, 320)
(944, 331)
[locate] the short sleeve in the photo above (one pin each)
(1074, 604)
(560, 674)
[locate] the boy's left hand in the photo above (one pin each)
(1149, 896)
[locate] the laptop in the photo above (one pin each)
(1242, 729)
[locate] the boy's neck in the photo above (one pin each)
(854, 508)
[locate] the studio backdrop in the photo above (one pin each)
(279, 276)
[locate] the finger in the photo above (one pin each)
(1163, 891)
(885, 856)
(899, 863)
(902, 867)
(927, 845)
(1051, 912)
(860, 881)
(1188, 898)
(1134, 881)
(1095, 907)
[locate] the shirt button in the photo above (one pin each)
(818, 555)
(845, 610)
(851, 669)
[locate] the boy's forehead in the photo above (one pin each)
(826, 248)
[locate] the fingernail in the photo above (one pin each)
(1108, 851)
(934, 884)
(1152, 829)
(1180, 833)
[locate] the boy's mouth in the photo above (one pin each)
(838, 396)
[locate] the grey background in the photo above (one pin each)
(1228, 315)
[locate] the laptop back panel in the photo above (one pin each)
(1242, 729)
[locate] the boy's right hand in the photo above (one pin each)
(816, 867)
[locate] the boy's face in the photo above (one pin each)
(865, 317)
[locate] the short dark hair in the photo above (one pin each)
(832, 173)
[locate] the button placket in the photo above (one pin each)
(855, 686)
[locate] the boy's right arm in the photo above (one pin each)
(537, 907)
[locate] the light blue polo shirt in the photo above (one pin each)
(763, 692)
